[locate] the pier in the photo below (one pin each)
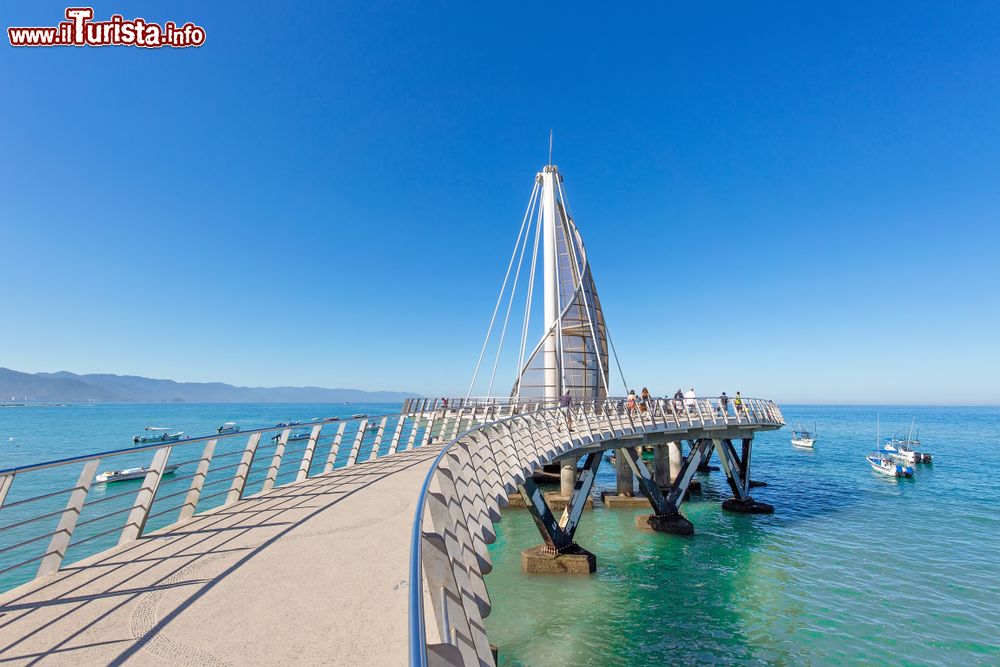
(365, 542)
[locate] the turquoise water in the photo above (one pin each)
(853, 567)
(35, 434)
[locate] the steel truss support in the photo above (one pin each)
(698, 453)
(558, 535)
(633, 457)
(737, 470)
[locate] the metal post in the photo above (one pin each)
(279, 453)
(243, 470)
(334, 448)
(356, 447)
(67, 522)
(414, 425)
(633, 457)
(6, 481)
(396, 435)
(136, 522)
(373, 454)
(307, 456)
(428, 430)
(198, 481)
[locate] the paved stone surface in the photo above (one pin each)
(313, 573)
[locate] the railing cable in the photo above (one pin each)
(503, 287)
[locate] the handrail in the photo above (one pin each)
(232, 468)
(768, 415)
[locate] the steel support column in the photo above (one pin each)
(558, 535)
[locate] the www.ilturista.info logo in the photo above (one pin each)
(81, 30)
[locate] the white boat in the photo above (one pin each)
(157, 434)
(292, 437)
(803, 438)
(886, 463)
(228, 427)
(897, 450)
(907, 446)
(130, 473)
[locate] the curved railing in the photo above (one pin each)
(57, 512)
(476, 471)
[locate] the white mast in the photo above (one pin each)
(550, 269)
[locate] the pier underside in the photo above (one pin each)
(663, 489)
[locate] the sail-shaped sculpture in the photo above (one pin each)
(572, 353)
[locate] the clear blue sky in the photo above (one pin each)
(327, 193)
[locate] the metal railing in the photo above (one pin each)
(57, 512)
(477, 470)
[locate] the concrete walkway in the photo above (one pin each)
(312, 573)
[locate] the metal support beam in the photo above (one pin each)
(581, 491)
(540, 513)
(633, 456)
(558, 535)
(698, 453)
(731, 466)
(745, 463)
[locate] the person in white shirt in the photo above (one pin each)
(690, 399)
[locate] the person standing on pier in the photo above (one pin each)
(565, 401)
(738, 403)
(678, 400)
(630, 403)
(690, 399)
(645, 399)
(724, 403)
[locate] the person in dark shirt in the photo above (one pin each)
(564, 403)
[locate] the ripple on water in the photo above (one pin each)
(852, 567)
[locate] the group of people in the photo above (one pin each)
(682, 400)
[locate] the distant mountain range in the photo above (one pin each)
(67, 387)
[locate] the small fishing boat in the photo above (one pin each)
(157, 434)
(359, 415)
(886, 463)
(803, 438)
(130, 473)
(228, 427)
(907, 446)
(292, 437)
(288, 423)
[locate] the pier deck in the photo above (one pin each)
(306, 573)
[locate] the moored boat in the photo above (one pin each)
(886, 463)
(228, 427)
(292, 437)
(130, 473)
(157, 434)
(803, 438)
